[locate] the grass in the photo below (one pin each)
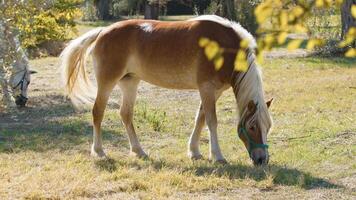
(44, 149)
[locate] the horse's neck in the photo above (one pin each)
(17, 59)
(247, 86)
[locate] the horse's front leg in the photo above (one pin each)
(208, 98)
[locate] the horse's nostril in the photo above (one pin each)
(259, 161)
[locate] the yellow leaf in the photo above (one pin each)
(203, 41)
(241, 61)
(283, 17)
(218, 62)
(244, 43)
(352, 32)
(300, 28)
(351, 53)
(319, 3)
(291, 17)
(348, 40)
(313, 43)
(269, 39)
(282, 37)
(298, 11)
(260, 57)
(353, 11)
(211, 50)
(339, 2)
(263, 15)
(294, 44)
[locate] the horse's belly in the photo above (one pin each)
(172, 79)
(172, 76)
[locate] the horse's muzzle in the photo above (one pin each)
(259, 156)
(21, 100)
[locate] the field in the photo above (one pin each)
(44, 149)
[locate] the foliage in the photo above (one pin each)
(276, 20)
(40, 21)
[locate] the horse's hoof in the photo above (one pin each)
(221, 162)
(140, 155)
(196, 157)
(98, 154)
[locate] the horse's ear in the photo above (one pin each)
(251, 106)
(269, 102)
(33, 72)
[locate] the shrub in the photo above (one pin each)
(40, 21)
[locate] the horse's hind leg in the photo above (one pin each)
(193, 146)
(101, 100)
(128, 86)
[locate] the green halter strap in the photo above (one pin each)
(251, 144)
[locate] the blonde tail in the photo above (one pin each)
(74, 77)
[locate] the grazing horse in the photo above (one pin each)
(18, 67)
(167, 54)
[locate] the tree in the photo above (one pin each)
(103, 9)
(227, 9)
(347, 19)
(152, 9)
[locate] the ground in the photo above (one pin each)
(44, 149)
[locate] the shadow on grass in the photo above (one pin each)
(48, 124)
(281, 175)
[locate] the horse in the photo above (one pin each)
(20, 73)
(167, 54)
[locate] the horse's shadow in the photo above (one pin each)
(49, 122)
(281, 175)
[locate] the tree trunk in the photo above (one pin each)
(151, 10)
(346, 18)
(103, 9)
(226, 9)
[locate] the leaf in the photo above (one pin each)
(244, 43)
(283, 17)
(218, 62)
(282, 37)
(313, 43)
(348, 40)
(300, 28)
(203, 41)
(211, 50)
(353, 11)
(319, 3)
(294, 44)
(269, 39)
(260, 57)
(351, 53)
(298, 11)
(241, 61)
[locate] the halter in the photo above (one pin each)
(251, 144)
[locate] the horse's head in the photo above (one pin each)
(253, 128)
(19, 83)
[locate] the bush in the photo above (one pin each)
(41, 21)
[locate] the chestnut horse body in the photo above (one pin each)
(167, 54)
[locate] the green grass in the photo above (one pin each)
(44, 149)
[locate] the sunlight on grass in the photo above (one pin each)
(44, 153)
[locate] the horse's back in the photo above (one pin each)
(166, 54)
